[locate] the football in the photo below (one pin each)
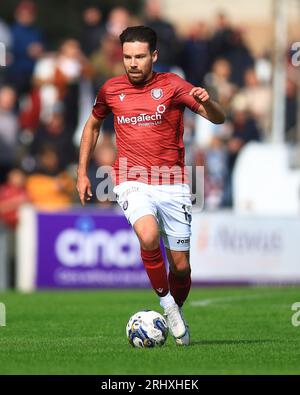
(147, 329)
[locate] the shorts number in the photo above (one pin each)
(187, 213)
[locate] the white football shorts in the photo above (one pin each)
(170, 204)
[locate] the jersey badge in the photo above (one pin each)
(156, 94)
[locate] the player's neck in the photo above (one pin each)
(150, 76)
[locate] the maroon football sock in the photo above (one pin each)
(180, 287)
(156, 270)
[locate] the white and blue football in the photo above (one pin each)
(147, 329)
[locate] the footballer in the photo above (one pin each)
(150, 180)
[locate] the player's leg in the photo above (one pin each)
(146, 229)
(175, 226)
(141, 213)
(179, 275)
(135, 200)
(180, 285)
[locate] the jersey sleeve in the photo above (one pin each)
(101, 108)
(181, 96)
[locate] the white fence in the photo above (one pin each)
(230, 248)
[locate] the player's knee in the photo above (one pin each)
(147, 232)
(181, 267)
(149, 241)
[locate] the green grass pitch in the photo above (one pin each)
(244, 330)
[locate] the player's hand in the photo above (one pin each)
(84, 188)
(200, 95)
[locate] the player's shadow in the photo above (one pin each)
(228, 342)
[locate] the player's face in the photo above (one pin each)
(138, 61)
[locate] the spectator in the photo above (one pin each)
(195, 57)
(37, 106)
(71, 66)
(215, 158)
(55, 133)
(244, 130)
(221, 39)
(218, 82)
(258, 99)
(228, 43)
(107, 61)
(8, 129)
(92, 31)
(168, 44)
(263, 68)
(239, 57)
(117, 21)
(6, 41)
(28, 46)
(5, 35)
(48, 188)
(12, 195)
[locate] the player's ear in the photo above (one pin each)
(154, 56)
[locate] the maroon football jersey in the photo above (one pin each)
(148, 121)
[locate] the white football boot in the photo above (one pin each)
(176, 323)
(185, 339)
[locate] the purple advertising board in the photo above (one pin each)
(87, 249)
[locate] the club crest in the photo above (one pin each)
(156, 94)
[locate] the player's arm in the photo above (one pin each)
(87, 145)
(208, 108)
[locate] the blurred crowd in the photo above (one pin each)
(46, 96)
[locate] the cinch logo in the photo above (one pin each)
(144, 118)
(87, 249)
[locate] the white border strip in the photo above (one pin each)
(26, 249)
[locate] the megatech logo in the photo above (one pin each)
(144, 119)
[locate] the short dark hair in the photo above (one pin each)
(143, 34)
